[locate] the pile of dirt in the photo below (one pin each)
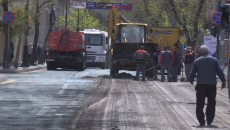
(123, 76)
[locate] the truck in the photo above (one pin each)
(123, 45)
(67, 49)
(97, 48)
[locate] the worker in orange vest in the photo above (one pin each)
(140, 57)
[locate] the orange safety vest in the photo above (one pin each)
(141, 51)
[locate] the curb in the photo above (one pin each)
(3, 78)
(24, 69)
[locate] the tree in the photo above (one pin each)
(86, 20)
(187, 15)
(38, 7)
(41, 60)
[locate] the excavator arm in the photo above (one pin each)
(115, 17)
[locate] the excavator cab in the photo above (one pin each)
(131, 33)
(129, 38)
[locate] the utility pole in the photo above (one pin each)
(66, 16)
(217, 35)
(222, 39)
(57, 13)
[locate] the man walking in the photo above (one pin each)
(141, 56)
(30, 49)
(166, 63)
(206, 68)
(188, 61)
(39, 51)
(175, 64)
(156, 60)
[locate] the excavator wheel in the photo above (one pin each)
(113, 69)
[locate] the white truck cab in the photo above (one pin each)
(96, 47)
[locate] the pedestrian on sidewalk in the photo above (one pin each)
(175, 64)
(188, 63)
(45, 55)
(141, 56)
(11, 51)
(30, 49)
(39, 51)
(156, 60)
(206, 68)
(167, 60)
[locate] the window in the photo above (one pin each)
(132, 33)
(94, 39)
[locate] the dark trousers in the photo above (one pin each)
(174, 74)
(141, 67)
(203, 91)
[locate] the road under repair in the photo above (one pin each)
(92, 100)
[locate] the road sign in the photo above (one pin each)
(8, 17)
(182, 40)
(216, 18)
(183, 46)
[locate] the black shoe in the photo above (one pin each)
(155, 79)
(202, 124)
(143, 80)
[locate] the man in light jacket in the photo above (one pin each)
(30, 49)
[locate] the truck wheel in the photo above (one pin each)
(79, 66)
(51, 66)
(103, 66)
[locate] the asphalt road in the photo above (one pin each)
(92, 100)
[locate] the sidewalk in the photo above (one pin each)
(2, 78)
(21, 69)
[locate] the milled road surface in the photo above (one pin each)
(92, 100)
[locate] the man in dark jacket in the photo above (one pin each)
(11, 51)
(188, 63)
(157, 61)
(206, 67)
(141, 56)
(166, 63)
(175, 64)
(39, 51)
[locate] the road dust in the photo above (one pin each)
(122, 75)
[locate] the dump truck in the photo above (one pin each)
(96, 47)
(122, 47)
(67, 49)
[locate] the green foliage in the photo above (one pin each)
(85, 20)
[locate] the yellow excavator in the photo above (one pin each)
(125, 39)
(167, 36)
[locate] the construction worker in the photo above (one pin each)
(175, 64)
(141, 56)
(188, 61)
(157, 61)
(193, 53)
(167, 60)
(206, 67)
